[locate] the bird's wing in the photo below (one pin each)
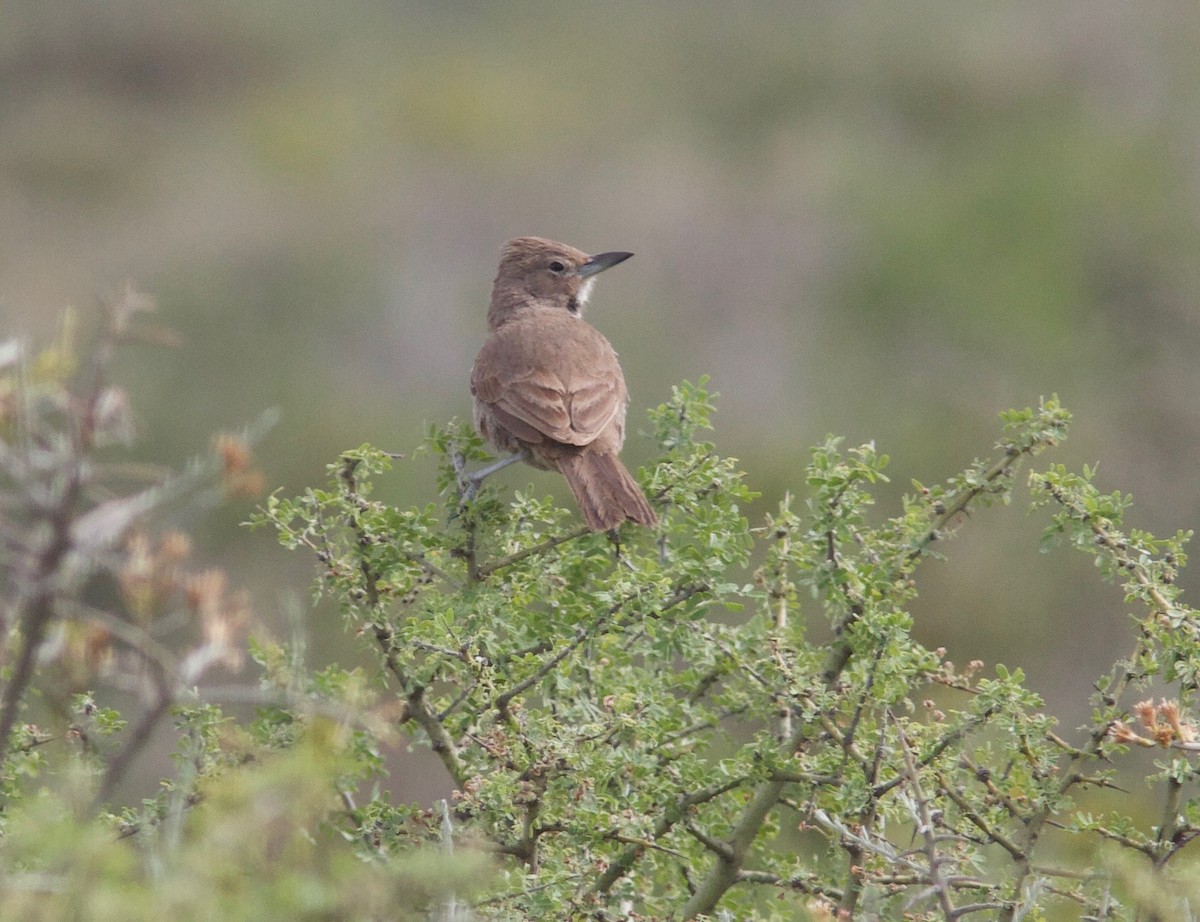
(594, 400)
(569, 401)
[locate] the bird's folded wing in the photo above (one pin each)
(543, 403)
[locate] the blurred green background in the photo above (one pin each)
(880, 220)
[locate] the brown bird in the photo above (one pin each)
(547, 384)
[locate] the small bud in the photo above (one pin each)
(1122, 734)
(1179, 729)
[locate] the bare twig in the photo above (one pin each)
(926, 828)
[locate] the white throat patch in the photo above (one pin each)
(585, 292)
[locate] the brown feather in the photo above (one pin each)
(606, 492)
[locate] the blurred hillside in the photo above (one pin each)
(890, 223)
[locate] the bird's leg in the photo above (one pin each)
(614, 537)
(472, 481)
(498, 466)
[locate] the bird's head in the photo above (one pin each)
(535, 271)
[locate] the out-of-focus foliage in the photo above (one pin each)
(100, 593)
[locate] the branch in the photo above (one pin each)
(808, 885)
(1118, 683)
(925, 828)
(681, 595)
(729, 863)
(950, 739)
(35, 602)
(720, 849)
(487, 569)
(725, 872)
(672, 814)
(418, 709)
(120, 763)
(978, 821)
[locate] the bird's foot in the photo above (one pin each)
(471, 482)
(619, 558)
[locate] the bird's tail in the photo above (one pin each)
(606, 492)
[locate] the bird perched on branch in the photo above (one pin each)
(548, 386)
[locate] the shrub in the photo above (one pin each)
(647, 725)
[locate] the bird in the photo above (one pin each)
(547, 385)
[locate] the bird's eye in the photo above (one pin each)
(556, 266)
